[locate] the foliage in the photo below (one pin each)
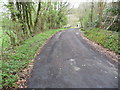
(100, 14)
(19, 58)
(115, 9)
(113, 14)
(26, 19)
(108, 39)
(86, 19)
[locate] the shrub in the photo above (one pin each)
(108, 39)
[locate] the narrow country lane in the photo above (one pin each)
(67, 61)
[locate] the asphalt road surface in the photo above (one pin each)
(67, 61)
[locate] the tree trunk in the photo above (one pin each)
(101, 6)
(38, 13)
(92, 12)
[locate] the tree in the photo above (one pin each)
(30, 18)
(92, 12)
(101, 6)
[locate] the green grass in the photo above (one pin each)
(0, 57)
(1, 37)
(21, 56)
(4, 39)
(0, 74)
(108, 39)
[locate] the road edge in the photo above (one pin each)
(108, 53)
(27, 71)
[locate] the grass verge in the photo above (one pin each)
(20, 58)
(108, 39)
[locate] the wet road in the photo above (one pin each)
(67, 61)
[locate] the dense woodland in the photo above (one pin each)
(102, 14)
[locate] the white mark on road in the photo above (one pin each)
(72, 60)
(76, 68)
(84, 65)
(77, 33)
(73, 63)
(115, 77)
